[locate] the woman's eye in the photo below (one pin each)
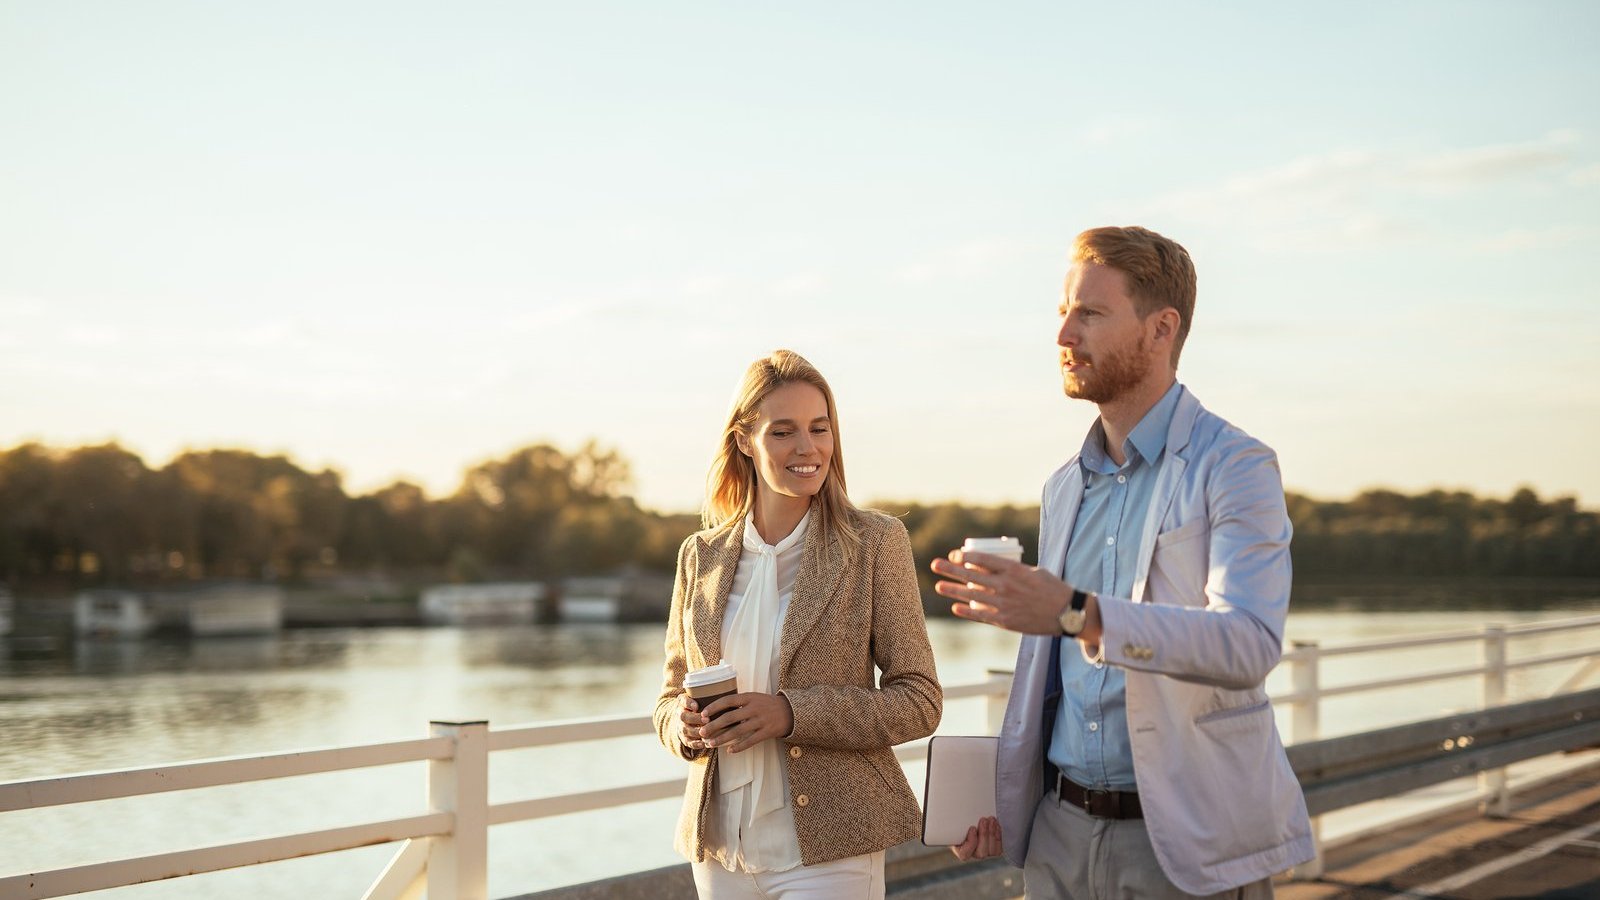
(781, 434)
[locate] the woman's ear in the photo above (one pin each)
(742, 442)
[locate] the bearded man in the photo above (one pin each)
(1139, 757)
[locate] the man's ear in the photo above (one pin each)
(1167, 322)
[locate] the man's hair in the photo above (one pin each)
(1159, 271)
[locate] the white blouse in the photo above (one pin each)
(752, 828)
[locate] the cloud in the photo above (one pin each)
(1331, 201)
(1588, 176)
(1478, 165)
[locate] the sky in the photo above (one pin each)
(401, 238)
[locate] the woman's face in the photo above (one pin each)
(791, 442)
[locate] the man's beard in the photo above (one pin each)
(1110, 375)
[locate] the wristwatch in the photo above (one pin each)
(1072, 618)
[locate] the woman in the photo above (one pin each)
(795, 791)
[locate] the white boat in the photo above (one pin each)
(501, 603)
(205, 611)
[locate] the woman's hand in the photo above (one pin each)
(689, 723)
(742, 721)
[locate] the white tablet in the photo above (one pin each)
(959, 789)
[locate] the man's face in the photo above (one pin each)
(1104, 348)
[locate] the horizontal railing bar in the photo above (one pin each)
(1382, 748)
(563, 804)
(517, 737)
(585, 801)
(159, 867)
(1344, 792)
(90, 786)
(1423, 678)
(1530, 629)
(1444, 637)
(1405, 643)
(1552, 658)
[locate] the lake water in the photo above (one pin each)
(104, 705)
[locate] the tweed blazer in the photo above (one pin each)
(847, 791)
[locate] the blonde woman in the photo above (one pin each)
(795, 792)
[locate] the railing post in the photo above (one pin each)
(458, 863)
(1305, 725)
(1492, 788)
(995, 703)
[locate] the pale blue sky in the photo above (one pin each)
(399, 238)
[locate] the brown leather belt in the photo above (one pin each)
(1100, 804)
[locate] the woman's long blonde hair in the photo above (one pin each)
(731, 484)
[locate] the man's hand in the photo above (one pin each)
(741, 721)
(996, 591)
(983, 841)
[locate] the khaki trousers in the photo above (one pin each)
(1075, 856)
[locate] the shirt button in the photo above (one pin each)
(802, 800)
(794, 752)
(1122, 479)
(1110, 541)
(1094, 726)
(1100, 665)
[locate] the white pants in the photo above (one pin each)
(851, 878)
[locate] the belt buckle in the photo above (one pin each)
(1088, 800)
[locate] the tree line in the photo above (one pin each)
(100, 515)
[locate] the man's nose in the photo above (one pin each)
(1067, 334)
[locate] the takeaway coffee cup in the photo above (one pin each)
(710, 684)
(1008, 547)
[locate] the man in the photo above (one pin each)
(1138, 757)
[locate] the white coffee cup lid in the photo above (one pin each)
(709, 675)
(998, 546)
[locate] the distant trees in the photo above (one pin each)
(100, 515)
(94, 515)
(1382, 532)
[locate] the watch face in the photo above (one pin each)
(1072, 622)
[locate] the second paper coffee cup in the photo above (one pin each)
(1008, 547)
(708, 685)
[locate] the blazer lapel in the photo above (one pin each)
(821, 570)
(1054, 534)
(720, 553)
(1166, 486)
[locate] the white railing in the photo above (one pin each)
(445, 850)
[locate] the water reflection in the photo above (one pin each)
(550, 647)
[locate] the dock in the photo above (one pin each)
(1547, 848)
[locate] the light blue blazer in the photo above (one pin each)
(1199, 635)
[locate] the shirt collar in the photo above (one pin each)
(1147, 440)
(754, 543)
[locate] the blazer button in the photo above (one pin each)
(795, 753)
(802, 801)
(1129, 650)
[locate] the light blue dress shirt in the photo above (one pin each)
(1089, 743)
